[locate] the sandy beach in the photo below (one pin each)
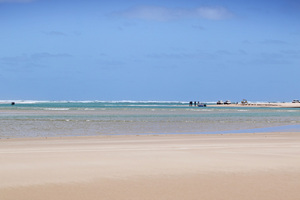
(230, 166)
(260, 105)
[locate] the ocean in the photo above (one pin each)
(90, 118)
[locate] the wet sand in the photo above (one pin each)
(262, 166)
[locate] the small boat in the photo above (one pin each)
(202, 105)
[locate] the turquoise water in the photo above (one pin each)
(46, 119)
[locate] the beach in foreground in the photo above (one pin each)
(257, 166)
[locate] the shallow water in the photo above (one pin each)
(46, 119)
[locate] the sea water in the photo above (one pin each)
(87, 118)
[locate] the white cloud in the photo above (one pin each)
(148, 13)
(215, 13)
(165, 14)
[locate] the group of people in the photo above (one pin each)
(195, 103)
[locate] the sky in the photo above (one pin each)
(167, 50)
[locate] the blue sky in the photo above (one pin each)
(181, 50)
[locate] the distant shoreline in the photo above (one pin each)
(260, 105)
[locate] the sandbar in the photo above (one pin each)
(259, 105)
(260, 166)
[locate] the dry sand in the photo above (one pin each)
(207, 167)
